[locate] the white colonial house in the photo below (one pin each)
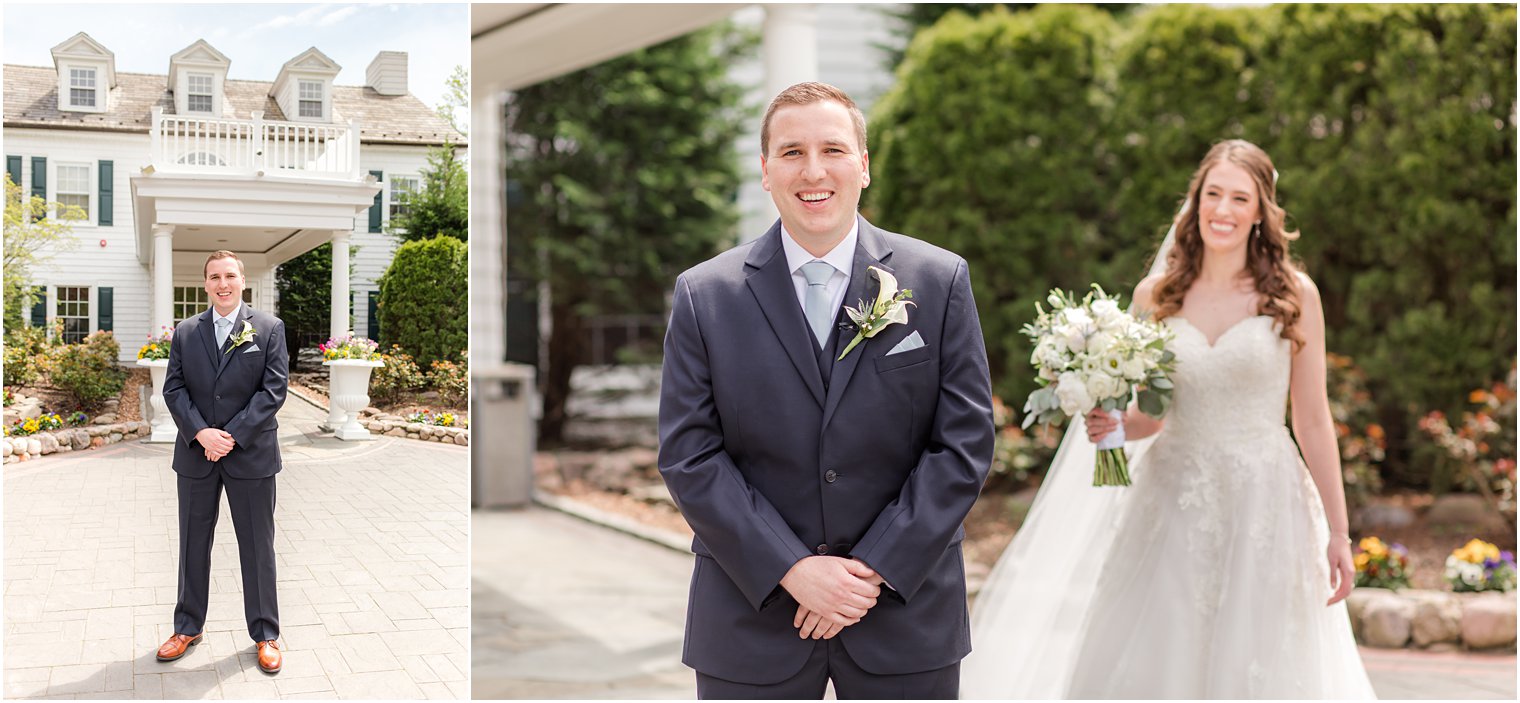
(170, 167)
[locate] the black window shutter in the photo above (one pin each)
(107, 316)
(39, 311)
(13, 167)
(375, 211)
(39, 176)
(107, 195)
(374, 315)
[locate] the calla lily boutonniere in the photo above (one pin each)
(891, 308)
(242, 337)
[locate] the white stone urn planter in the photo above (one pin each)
(164, 429)
(347, 396)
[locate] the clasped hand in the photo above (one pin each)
(832, 593)
(217, 443)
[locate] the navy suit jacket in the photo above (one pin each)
(238, 391)
(769, 466)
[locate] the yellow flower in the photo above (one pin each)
(1362, 560)
(1373, 546)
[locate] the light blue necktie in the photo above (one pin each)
(816, 303)
(223, 326)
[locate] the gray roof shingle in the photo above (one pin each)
(31, 100)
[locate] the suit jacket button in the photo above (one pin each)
(823, 549)
(830, 476)
(218, 397)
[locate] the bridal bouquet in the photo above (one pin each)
(1092, 354)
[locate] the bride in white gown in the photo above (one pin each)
(1220, 572)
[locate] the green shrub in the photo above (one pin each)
(88, 371)
(451, 380)
(424, 298)
(27, 352)
(397, 379)
(992, 144)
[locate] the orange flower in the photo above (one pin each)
(1375, 431)
(1477, 396)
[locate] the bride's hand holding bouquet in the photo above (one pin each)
(1091, 354)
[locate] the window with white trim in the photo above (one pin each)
(190, 301)
(73, 308)
(82, 87)
(200, 93)
(310, 97)
(74, 186)
(402, 190)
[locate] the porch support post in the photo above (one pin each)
(340, 293)
(163, 278)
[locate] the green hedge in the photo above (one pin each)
(424, 298)
(1052, 147)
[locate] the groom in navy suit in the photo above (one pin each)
(826, 485)
(228, 372)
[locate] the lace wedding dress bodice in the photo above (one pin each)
(1236, 388)
(1212, 580)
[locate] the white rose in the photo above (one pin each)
(1133, 369)
(1072, 394)
(1107, 312)
(1076, 317)
(1073, 337)
(1100, 342)
(1103, 386)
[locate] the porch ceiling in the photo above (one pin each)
(276, 219)
(517, 45)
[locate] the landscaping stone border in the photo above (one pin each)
(1435, 620)
(18, 449)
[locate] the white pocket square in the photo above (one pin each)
(909, 343)
(252, 348)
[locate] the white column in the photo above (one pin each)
(790, 46)
(789, 49)
(488, 225)
(340, 294)
(339, 327)
(163, 279)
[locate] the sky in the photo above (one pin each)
(256, 38)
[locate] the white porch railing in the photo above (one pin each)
(184, 144)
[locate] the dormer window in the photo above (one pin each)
(201, 93)
(82, 91)
(311, 99)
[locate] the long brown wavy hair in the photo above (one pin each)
(1267, 262)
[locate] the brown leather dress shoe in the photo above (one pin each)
(176, 646)
(269, 657)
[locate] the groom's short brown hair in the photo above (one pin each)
(222, 254)
(807, 94)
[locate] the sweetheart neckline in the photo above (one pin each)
(1223, 334)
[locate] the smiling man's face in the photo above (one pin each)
(815, 169)
(224, 284)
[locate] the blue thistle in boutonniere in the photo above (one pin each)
(242, 337)
(891, 308)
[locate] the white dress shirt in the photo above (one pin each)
(841, 257)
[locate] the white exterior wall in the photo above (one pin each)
(374, 250)
(116, 265)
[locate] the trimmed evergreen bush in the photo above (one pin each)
(424, 298)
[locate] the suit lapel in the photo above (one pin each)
(207, 332)
(244, 312)
(771, 283)
(871, 249)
